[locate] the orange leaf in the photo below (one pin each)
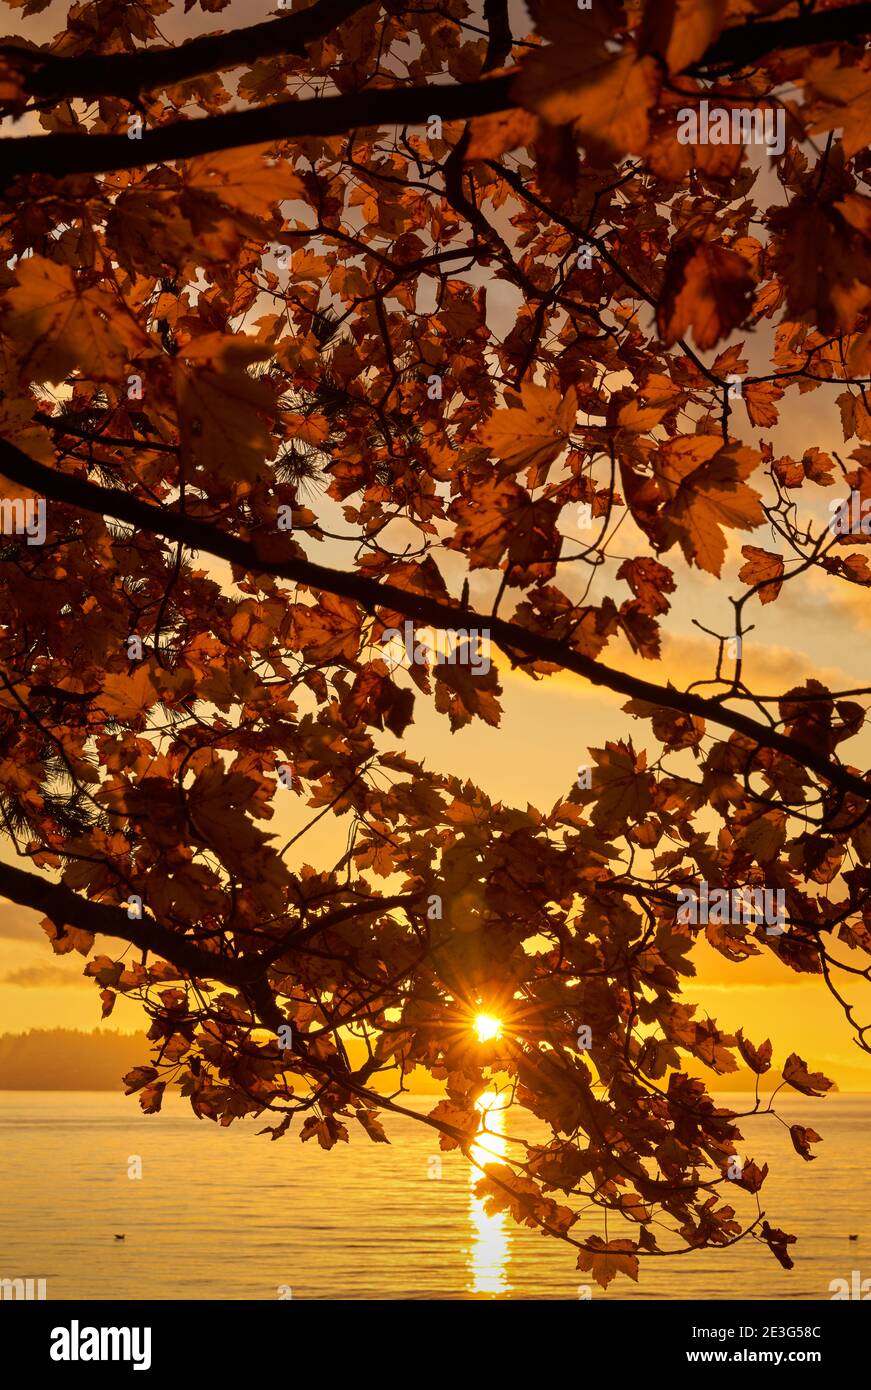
(60, 324)
(536, 430)
(706, 288)
(796, 1074)
(704, 484)
(606, 1260)
(764, 568)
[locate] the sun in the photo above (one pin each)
(487, 1027)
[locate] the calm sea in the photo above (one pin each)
(225, 1214)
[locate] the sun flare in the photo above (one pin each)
(487, 1027)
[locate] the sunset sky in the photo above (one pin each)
(816, 629)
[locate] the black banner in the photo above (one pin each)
(79, 1340)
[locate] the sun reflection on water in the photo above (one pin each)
(488, 1257)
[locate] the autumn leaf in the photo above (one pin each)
(778, 1242)
(706, 288)
(703, 481)
(223, 412)
(137, 1078)
(759, 398)
(758, 1059)
(606, 1259)
(327, 1130)
(763, 568)
(796, 1074)
(251, 179)
(607, 94)
(61, 324)
(493, 134)
(328, 630)
(802, 1138)
(67, 938)
(372, 1125)
(218, 801)
(460, 1117)
(535, 431)
(129, 697)
(464, 691)
(621, 789)
(151, 1097)
(839, 98)
(824, 263)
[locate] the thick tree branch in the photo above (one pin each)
(58, 155)
(66, 908)
(372, 595)
(742, 45)
(499, 45)
(127, 75)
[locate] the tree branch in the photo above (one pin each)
(127, 75)
(66, 908)
(740, 46)
(58, 155)
(499, 44)
(372, 595)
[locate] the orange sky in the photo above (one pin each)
(814, 629)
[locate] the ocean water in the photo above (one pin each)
(228, 1214)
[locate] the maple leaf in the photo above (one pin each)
(759, 398)
(606, 1259)
(462, 692)
(578, 78)
(461, 1117)
(328, 630)
(802, 1138)
(222, 411)
(487, 521)
(762, 568)
(129, 697)
(535, 430)
(67, 938)
(621, 789)
(372, 1125)
(703, 481)
(249, 179)
(777, 1242)
(796, 1074)
(137, 1078)
(707, 288)
(758, 1059)
(839, 98)
(649, 581)
(62, 324)
(217, 802)
(493, 134)
(824, 263)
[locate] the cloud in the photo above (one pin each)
(19, 923)
(41, 977)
